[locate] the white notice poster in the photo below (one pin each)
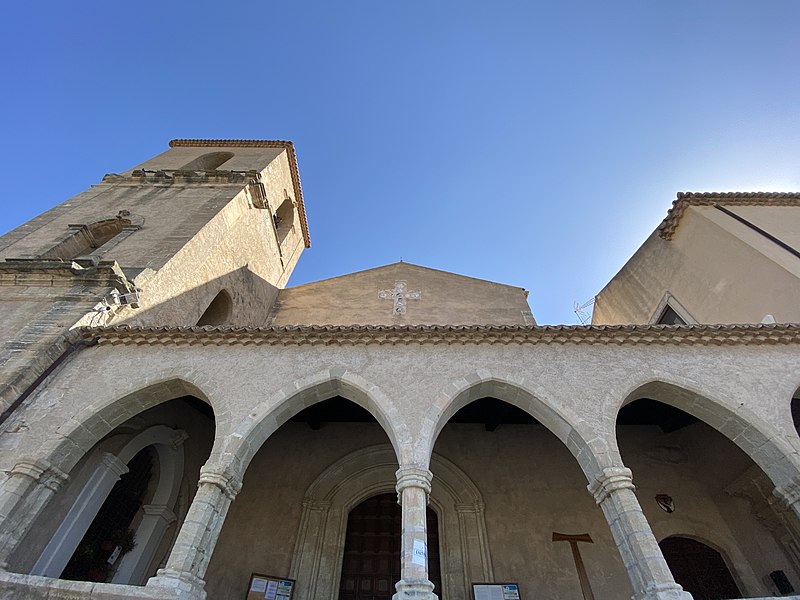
(258, 585)
(488, 592)
(272, 590)
(419, 554)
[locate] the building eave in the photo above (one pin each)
(324, 335)
(686, 199)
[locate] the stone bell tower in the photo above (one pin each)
(205, 233)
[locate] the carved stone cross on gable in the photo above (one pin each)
(400, 294)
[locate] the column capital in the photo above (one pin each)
(610, 480)
(40, 471)
(413, 476)
(113, 464)
(160, 511)
(221, 477)
(789, 493)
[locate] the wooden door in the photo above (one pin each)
(371, 564)
(699, 569)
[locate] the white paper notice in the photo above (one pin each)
(272, 590)
(488, 592)
(419, 555)
(259, 585)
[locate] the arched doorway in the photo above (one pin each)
(699, 569)
(110, 534)
(372, 550)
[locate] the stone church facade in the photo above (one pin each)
(175, 419)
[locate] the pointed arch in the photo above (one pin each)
(757, 438)
(78, 434)
(167, 444)
(273, 412)
(592, 451)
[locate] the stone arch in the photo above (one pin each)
(85, 240)
(167, 443)
(592, 451)
(371, 471)
(757, 438)
(209, 161)
(78, 434)
(269, 415)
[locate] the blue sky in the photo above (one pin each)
(535, 144)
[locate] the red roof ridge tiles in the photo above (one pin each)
(685, 199)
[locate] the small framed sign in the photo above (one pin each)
(267, 587)
(495, 591)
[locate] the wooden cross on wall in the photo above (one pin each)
(400, 294)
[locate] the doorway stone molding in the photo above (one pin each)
(317, 559)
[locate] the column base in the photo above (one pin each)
(414, 589)
(184, 586)
(665, 592)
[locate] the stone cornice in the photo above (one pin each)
(288, 146)
(685, 199)
(327, 335)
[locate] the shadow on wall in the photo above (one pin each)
(238, 299)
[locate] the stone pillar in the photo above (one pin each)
(413, 487)
(28, 489)
(647, 569)
(188, 561)
(62, 545)
(133, 566)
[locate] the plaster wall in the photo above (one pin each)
(742, 277)
(445, 298)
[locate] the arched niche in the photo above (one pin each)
(317, 557)
(210, 161)
(83, 240)
(218, 311)
(158, 515)
(284, 219)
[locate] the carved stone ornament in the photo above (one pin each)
(400, 294)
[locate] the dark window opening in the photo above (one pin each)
(670, 317)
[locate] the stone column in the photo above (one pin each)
(413, 487)
(28, 489)
(188, 561)
(133, 566)
(62, 545)
(647, 569)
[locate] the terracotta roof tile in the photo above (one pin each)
(685, 199)
(324, 335)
